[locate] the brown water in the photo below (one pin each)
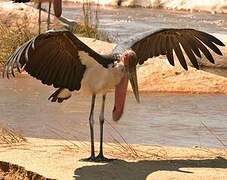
(159, 120)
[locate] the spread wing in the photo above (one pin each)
(165, 41)
(54, 58)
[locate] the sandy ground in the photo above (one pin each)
(14, 14)
(59, 159)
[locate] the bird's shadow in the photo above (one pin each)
(122, 170)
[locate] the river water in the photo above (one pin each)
(121, 23)
(160, 119)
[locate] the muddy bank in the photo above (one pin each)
(10, 171)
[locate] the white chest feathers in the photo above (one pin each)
(98, 79)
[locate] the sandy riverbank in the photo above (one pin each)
(59, 159)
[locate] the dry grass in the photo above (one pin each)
(91, 32)
(89, 25)
(12, 37)
(10, 137)
(118, 147)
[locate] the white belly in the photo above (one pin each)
(99, 80)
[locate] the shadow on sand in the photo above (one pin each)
(122, 170)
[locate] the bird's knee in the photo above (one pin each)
(101, 120)
(91, 121)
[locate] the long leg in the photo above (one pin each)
(39, 20)
(48, 20)
(100, 157)
(91, 123)
(101, 122)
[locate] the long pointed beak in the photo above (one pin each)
(132, 76)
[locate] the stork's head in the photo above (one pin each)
(129, 60)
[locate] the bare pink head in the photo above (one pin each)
(129, 59)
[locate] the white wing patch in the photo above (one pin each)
(87, 60)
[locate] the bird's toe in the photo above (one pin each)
(102, 158)
(89, 159)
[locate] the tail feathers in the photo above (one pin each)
(60, 95)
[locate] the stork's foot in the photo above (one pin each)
(90, 159)
(102, 158)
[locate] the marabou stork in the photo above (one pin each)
(60, 59)
(57, 9)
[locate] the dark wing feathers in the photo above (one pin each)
(165, 41)
(209, 43)
(211, 38)
(191, 42)
(163, 45)
(53, 58)
(189, 52)
(169, 50)
(179, 53)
